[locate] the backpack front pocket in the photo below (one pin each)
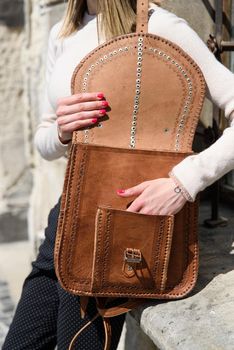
(131, 252)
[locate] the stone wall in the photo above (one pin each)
(24, 28)
(15, 174)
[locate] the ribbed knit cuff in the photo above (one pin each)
(188, 177)
(179, 184)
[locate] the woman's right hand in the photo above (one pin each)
(79, 111)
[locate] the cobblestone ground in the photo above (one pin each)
(6, 310)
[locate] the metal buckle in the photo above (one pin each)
(132, 256)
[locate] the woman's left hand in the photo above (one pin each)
(155, 197)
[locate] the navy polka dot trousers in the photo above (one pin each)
(47, 316)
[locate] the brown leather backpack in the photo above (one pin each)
(156, 92)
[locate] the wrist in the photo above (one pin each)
(64, 138)
(64, 141)
(180, 188)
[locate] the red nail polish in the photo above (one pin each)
(102, 111)
(100, 95)
(105, 103)
(94, 120)
(120, 191)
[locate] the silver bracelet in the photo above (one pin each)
(177, 189)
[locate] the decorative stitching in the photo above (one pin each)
(167, 253)
(156, 247)
(194, 119)
(98, 237)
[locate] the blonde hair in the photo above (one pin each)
(118, 17)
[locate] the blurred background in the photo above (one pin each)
(29, 185)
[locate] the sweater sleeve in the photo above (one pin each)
(196, 172)
(46, 137)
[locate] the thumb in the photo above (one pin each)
(133, 191)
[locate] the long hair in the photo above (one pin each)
(118, 17)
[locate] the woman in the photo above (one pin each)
(46, 314)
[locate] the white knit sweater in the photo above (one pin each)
(196, 172)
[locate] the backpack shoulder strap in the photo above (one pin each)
(142, 16)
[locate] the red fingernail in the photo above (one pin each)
(120, 191)
(101, 95)
(105, 103)
(102, 111)
(94, 120)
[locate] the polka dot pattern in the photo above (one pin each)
(47, 316)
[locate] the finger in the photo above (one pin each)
(80, 107)
(133, 191)
(147, 211)
(80, 116)
(78, 98)
(136, 206)
(70, 127)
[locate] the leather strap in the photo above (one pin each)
(120, 309)
(142, 16)
(83, 305)
(108, 333)
(72, 343)
(107, 329)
